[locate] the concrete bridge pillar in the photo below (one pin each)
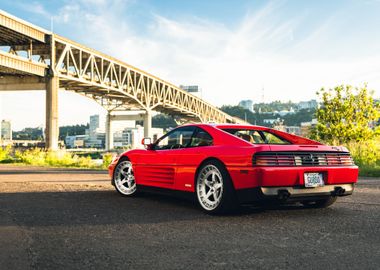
(109, 133)
(148, 124)
(52, 129)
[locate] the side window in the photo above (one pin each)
(273, 139)
(201, 138)
(257, 136)
(252, 136)
(178, 138)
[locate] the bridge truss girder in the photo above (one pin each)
(83, 70)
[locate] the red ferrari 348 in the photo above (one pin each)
(227, 164)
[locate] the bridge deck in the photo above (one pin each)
(13, 30)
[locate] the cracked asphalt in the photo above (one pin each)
(73, 219)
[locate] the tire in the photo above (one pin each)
(214, 189)
(323, 203)
(123, 178)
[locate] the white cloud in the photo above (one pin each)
(36, 8)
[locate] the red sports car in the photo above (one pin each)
(224, 165)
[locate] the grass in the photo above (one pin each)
(369, 171)
(38, 157)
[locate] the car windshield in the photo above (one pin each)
(257, 136)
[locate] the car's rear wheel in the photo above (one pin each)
(124, 178)
(322, 203)
(214, 189)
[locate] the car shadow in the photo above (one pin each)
(107, 207)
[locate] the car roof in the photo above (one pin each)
(239, 126)
(228, 126)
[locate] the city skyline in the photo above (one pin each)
(289, 48)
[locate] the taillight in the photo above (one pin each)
(260, 161)
(302, 159)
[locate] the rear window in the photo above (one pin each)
(257, 136)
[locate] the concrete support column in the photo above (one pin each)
(109, 133)
(148, 124)
(52, 129)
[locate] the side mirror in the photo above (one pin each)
(147, 142)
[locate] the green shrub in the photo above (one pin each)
(366, 153)
(32, 157)
(5, 154)
(107, 159)
(40, 157)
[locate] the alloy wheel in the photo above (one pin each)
(209, 187)
(124, 178)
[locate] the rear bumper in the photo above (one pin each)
(251, 177)
(293, 193)
(301, 191)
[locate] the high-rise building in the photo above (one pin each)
(97, 124)
(246, 104)
(6, 130)
(96, 132)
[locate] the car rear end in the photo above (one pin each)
(298, 173)
(287, 167)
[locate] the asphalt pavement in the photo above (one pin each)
(73, 219)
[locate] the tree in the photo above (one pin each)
(346, 115)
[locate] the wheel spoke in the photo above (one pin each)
(218, 186)
(123, 181)
(217, 194)
(208, 183)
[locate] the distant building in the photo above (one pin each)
(285, 112)
(96, 140)
(293, 130)
(125, 133)
(133, 136)
(311, 104)
(192, 89)
(122, 138)
(306, 127)
(96, 132)
(6, 130)
(75, 141)
(247, 104)
(97, 124)
(271, 121)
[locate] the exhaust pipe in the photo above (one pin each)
(283, 194)
(338, 191)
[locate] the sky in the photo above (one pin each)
(234, 50)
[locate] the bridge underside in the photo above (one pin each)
(32, 58)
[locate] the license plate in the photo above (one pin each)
(314, 180)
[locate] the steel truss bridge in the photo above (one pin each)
(32, 58)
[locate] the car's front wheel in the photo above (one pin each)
(214, 189)
(124, 178)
